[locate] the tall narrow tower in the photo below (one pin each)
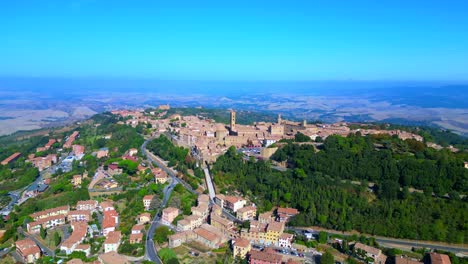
(279, 119)
(233, 120)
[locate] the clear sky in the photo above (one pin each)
(236, 40)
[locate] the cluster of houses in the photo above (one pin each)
(78, 220)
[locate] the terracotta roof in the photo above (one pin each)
(113, 258)
(275, 226)
(368, 249)
(145, 214)
(80, 212)
(47, 219)
(148, 197)
(86, 203)
(232, 199)
(10, 158)
(286, 236)
(106, 204)
(79, 232)
(49, 211)
(247, 208)
(113, 237)
(402, 260)
(205, 234)
(265, 256)
(138, 228)
(288, 211)
(241, 242)
(138, 236)
(27, 247)
(109, 219)
(439, 258)
(83, 247)
(170, 210)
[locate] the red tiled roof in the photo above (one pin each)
(288, 211)
(265, 256)
(113, 237)
(439, 258)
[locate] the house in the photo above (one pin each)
(160, 176)
(147, 201)
(110, 221)
(371, 252)
(28, 250)
(79, 216)
(241, 247)
(262, 233)
(436, 258)
(107, 206)
(57, 211)
(42, 163)
(78, 235)
(132, 152)
(90, 205)
(222, 224)
(76, 181)
(268, 256)
(48, 222)
(127, 157)
(285, 240)
(135, 238)
(247, 213)
(112, 241)
(11, 158)
(113, 169)
(201, 210)
(85, 248)
(112, 258)
(209, 236)
(232, 203)
(189, 223)
(144, 218)
(78, 150)
(71, 139)
(169, 214)
(138, 229)
(102, 153)
(47, 146)
(404, 260)
(180, 238)
(265, 218)
(284, 214)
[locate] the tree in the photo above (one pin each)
(57, 238)
(323, 237)
(299, 137)
(327, 258)
(161, 233)
(43, 232)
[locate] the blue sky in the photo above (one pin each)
(235, 40)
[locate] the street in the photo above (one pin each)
(151, 253)
(403, 244)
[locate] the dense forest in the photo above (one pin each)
(328, 201)
(387, 161)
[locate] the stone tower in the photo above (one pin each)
(279, 119)
(233, 120)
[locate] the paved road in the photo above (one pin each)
(209, 183)
(151, 253)
(401, 243)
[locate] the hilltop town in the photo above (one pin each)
(116, 190)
